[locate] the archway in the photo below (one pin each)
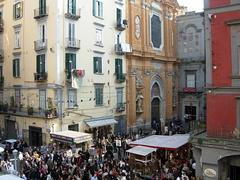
(157, 106)
(155, 113)
(229, 167)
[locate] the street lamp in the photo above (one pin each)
(15, 153)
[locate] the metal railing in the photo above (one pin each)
(40, 12)
(40, 76)
(40, 45)
(72, 15)
(120, 77)
(72, 43)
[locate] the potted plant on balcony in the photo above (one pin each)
(52, 110)
(30, 110)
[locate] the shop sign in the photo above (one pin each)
(210, 172)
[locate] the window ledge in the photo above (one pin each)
(99, 73)
(99, 45)
(99, 105)
(99, 17)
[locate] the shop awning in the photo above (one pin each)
(98, 122)
(163, 142)
(71, 136)
(141, 150)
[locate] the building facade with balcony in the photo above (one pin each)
(191, 72)
(151, 95)
(217, 151)
(61, 68)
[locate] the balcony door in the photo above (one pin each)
(42, 32)
(42, 7)
(41, 64)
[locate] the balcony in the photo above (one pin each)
(40, 12)
(72, 43)
(74, 16)
(120, 77)
(1, 55)
(40, 77)
(189, 90)
(120, 107)
(121, 24)
(40, 45)
(1, 25)
(122, 48)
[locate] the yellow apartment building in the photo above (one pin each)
(62, 67)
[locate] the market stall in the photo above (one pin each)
(141, 158)
(78, 139)
(163, 141)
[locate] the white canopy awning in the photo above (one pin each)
(141, 150)
(162, 141)
(10, 177)
(98, 122)
(71, 136)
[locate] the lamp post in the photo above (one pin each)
(15, 152)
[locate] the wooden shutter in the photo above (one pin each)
(73, 61)
(67, 66)
(119, 15)
(100, 65)
(14, 68)
(38, 64)
(94, 7)
(94, 64)
(73, 6)
(43, 63)
(17, 67)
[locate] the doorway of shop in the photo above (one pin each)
(35, 136)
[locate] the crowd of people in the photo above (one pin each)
(106, 160)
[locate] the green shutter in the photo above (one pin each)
(73, 6)
(38, 64)
(101, 95)
(94, 7)
(68, 8)
(43, 63)
(14, 69)
(94, 64)
(73, 61)
(116, 66)
(120, 66)
(18, 67)
(68, 67)
(14, 11)
(100, 64)
(101, 9)
(119, 15)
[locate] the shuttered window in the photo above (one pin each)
(97, 65)
(72, 7)
(16, 67)
(119, 16)
(99, 94)
(98, 8)
(70, 64)
(42, 7)
(17, 10)
(40, 64)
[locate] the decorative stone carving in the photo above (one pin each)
(139, 102)
(139, 80)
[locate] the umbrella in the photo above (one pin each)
(1, 149)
